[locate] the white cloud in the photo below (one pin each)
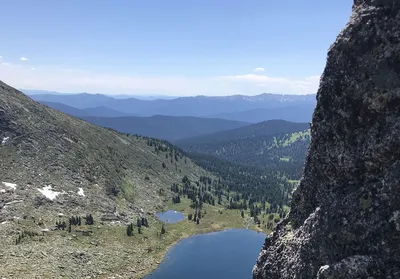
(72, 81)
(259, 70)
(1, 57)
(277, 84)
(23, 59)
(32, 69)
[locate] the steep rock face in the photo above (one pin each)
(345, 217)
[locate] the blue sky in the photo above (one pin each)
(175, 47)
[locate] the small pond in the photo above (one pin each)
(170, 216)
(228, 254)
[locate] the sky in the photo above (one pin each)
(174, 47)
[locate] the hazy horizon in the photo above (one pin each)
(146, 96)
(181, 48)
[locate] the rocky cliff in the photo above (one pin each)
(345, 214)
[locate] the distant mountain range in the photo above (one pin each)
(295, 113)
(169, 128)
(95, 111)
(252, 109)
(30, 92)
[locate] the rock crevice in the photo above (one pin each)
(345, 213)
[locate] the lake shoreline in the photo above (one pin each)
(169, 247)
(151, 249)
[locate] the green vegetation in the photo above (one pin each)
(128, 190)
(291, 138)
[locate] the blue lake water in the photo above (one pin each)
(170, 216)
(228, 254)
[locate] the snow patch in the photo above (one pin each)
(10, 185)
(4, 141)
(2, 191)
(12, 202)
(48, 193)
(80, 192)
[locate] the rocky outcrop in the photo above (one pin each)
(345, 214)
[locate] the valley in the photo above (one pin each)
(56, 167)
(218, 140)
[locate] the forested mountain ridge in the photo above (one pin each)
(265, 128)
(264, 168)
(291, 112)
(93, 111)
(278, 152)
(170, 128)
(252, 184)
(275, 145)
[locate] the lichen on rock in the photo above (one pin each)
(345, 212)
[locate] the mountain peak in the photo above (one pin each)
(378, 3)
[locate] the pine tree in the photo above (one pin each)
(129, 230)
(89, 219)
